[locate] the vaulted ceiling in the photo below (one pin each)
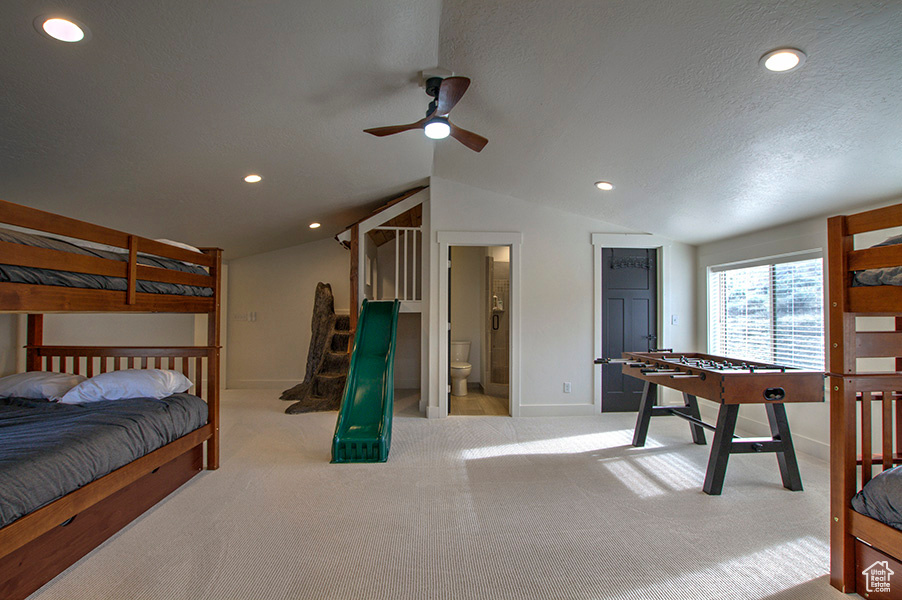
(152, 123)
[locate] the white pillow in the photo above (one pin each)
(180, 245)
(38, 384)
(128, 383)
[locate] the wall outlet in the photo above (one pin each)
(241, 317)
(567, 388)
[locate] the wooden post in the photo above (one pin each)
(214, 342)
(842, 407)
(131, 291)
(899, 358)
(34, 336)
(355, 267)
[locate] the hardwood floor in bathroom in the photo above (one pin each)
(475, 403)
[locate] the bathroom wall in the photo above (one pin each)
(499, 253)
(499, 353)
(468, 302)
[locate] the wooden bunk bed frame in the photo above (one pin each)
(40, 545)
(857, 541)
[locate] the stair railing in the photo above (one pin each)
(407, 276)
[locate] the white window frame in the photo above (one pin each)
(756, 262)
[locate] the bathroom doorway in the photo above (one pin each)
(479, 342)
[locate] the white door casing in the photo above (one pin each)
(446, 239)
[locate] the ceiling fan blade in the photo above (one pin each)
(471, 140)
(450, 93)
(393, 129)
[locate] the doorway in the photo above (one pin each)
(630, 299)
(666, 320)
(490, 325)
(479, 339)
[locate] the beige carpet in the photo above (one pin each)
(467, 507)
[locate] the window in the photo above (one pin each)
(770, 311)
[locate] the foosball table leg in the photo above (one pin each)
(649, 399)
(779, 428)
(720, 449)
(698, 432)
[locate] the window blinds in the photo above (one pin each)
(769, 312)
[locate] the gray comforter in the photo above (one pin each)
(885, 276)
(881, 498)
(19, 274)
(48, 449)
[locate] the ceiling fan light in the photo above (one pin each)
(437, 128)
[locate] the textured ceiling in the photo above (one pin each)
(667, 101)
(151, 125)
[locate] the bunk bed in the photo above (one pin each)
(75, 266)
(866, 405)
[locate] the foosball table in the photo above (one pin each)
(730, 383)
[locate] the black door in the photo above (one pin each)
(629, 319)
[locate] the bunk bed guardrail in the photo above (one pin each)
(866, 407)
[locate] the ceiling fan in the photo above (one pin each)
(446, 93)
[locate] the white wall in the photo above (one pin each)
(468, 302)
(118, 329)
(557, 312)
(810, 423)
(8, 344)
(407, 352)
(108, 329)
(279, 286)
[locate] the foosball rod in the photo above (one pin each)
(674, 410)
(620, 361)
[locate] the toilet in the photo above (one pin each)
(460, 368)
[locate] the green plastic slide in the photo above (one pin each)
(363, 430)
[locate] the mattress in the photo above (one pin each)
(881, 498)
(49, 449)
(31, 275)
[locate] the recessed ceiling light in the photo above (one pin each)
(783, 60)
(606, 186)
(64, 30)
(314, 225)
(252, 178)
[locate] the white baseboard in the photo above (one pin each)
(284, 384)
(557, 410)
(262, 384)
